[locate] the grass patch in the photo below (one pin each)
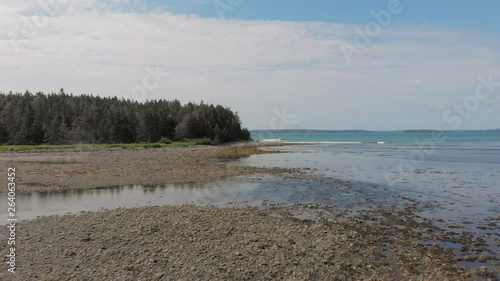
(100, 145)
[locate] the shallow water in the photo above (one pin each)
(36, 204)
(455, 186)
(460, 185)
(240, 191)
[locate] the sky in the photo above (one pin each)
(374, 65)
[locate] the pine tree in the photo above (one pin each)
(62, 118)
(53, 134)
(3, 133)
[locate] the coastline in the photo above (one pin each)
(189, 242)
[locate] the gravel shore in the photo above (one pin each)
(277, 242)
(59, 170)
(213, 243)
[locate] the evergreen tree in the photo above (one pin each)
(61, 118)
(3, 133)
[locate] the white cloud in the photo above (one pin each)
(253, 66)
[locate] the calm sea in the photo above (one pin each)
(397, 137)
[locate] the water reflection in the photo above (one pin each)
(250, 191)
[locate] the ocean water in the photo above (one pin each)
(397, 137)
(411, 147)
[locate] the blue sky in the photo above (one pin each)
(481, 16)
(280, 64)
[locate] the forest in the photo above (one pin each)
(60, 118)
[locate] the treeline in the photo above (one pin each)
(65, 119)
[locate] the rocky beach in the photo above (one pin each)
(211, 243)
(63, 170)
(189, 242)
